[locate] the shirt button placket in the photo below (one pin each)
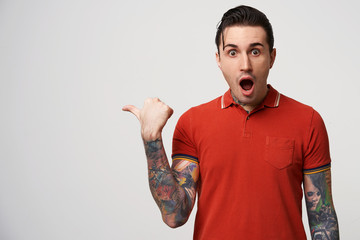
(246, 133)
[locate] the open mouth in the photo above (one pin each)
(246, 84)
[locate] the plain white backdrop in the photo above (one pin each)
(72, 164)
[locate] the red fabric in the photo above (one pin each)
(251, 165)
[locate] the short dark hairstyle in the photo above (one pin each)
(244, 16)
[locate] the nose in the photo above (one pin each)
(245, 63)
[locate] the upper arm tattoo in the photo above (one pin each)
(186, 174)
(322, 216)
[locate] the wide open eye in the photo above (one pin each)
(255, 52)
(232, 53)
(310, 194)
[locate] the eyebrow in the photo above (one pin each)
(235, 46)
(256, 44)
(230, 45)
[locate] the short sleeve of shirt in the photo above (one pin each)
(183, 142)
(317, 154)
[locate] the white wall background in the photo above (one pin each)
(72, 164)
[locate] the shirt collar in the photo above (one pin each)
(271, 100)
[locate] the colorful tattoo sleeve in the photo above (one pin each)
(173, 189)
(321, 213)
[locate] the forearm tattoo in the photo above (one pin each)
(322, 216)
(173, 189)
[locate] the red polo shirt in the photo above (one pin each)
(251, 165)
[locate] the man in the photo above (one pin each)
(245, 153)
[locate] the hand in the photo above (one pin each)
(152, 117)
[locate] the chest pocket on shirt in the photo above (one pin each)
(279, 151)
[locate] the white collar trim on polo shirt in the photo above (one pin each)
(277, 100)
(222, 101)
(276, 103)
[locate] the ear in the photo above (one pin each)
(272, 57)
(218, 59)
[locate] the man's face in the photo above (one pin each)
(245, 61)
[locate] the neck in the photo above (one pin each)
(248, 107)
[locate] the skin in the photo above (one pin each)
(173, 188)
(245, 53)
(312, 193)
(321, 212)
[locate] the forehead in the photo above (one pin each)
(244, 35)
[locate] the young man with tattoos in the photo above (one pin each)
(246, 153)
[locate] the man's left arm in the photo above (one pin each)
(320, 208)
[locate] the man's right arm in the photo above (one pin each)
(173, 188)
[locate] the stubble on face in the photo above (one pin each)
(244, 53)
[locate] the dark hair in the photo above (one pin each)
(244, 16)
